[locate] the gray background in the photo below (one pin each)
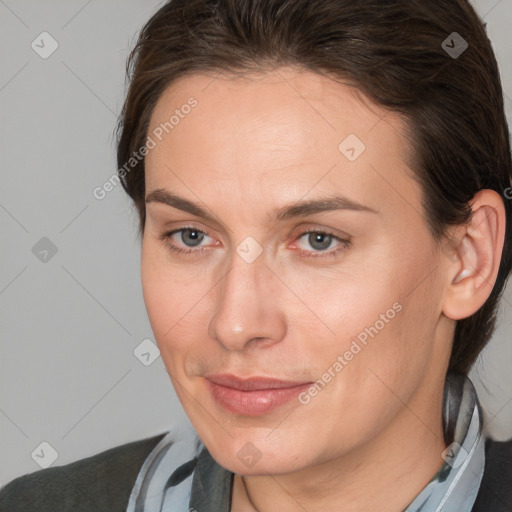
(70, 324)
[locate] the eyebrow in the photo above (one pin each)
(298, 209)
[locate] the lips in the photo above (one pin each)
(251, 383)
(253, 396)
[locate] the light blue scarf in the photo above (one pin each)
(164, 483)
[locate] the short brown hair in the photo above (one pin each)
(393, 51)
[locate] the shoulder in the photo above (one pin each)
(495, 491)
(102, 482)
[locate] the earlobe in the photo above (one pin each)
(478, 257)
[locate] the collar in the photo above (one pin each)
(455, 484)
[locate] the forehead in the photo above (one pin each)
(284, 102)
(280, 133)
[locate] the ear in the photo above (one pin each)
(474, 268)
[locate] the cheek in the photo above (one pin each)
(375, 360)
(177, 303)
(165, 295)
(363, 324)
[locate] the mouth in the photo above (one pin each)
(253, 396)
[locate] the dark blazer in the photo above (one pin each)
(103, 482)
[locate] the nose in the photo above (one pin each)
(248, 312)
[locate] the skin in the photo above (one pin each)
(372, 438)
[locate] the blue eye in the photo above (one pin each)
(321, 241)
(188, 234)
(191, 235)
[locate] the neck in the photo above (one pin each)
(385, 474)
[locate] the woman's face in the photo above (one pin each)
(271, 284)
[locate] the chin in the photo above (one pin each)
(250, 454)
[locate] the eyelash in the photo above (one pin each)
(344, 244)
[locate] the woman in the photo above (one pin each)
(322, 193)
